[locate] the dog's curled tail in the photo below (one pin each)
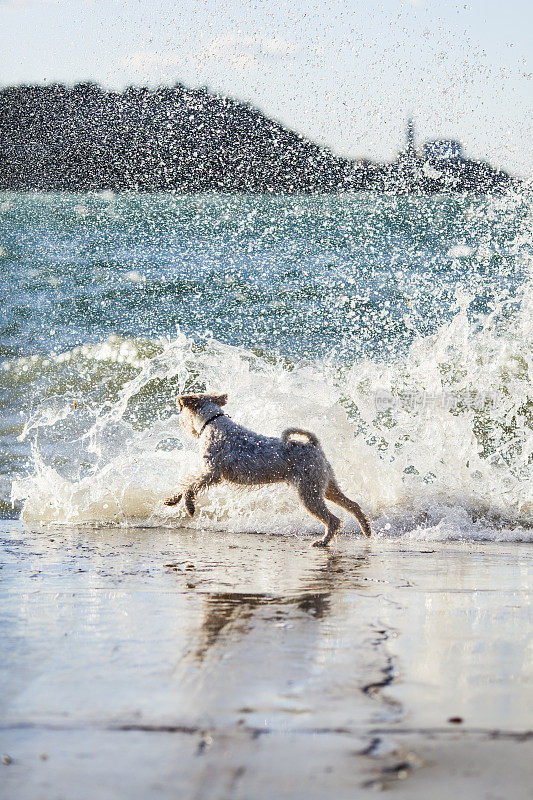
(286, 436)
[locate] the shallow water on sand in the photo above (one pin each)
(282, 626)
(257, 655)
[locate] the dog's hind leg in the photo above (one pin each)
(316, 506)
(334, 494)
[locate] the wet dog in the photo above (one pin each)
(235, 454)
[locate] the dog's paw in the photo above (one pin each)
(320, 543)
(172, 501)
(189, 506)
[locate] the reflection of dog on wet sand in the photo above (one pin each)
(235, 454)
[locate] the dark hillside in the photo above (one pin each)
(55, 138)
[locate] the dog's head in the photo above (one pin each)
(195, 409)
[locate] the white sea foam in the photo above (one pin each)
(460, 251)
(436, 445)
(134, 276)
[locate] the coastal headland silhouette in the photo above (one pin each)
(82, 138)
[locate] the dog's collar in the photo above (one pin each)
(206, 423)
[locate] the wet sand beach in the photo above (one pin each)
(176, 663)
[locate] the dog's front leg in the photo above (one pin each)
(196, 484)
(173, 500)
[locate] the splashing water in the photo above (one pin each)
(439, 441)
(435, 440)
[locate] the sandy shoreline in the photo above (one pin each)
(166, 663)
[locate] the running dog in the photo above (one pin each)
(235, 454)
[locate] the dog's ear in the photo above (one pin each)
(191, 401)
(195, 401)
(218, 399)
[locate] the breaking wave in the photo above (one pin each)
(435, 445)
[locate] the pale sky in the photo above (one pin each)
(342, 72)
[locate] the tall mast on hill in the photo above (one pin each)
(410, 139)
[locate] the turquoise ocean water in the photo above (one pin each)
(397, 328)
